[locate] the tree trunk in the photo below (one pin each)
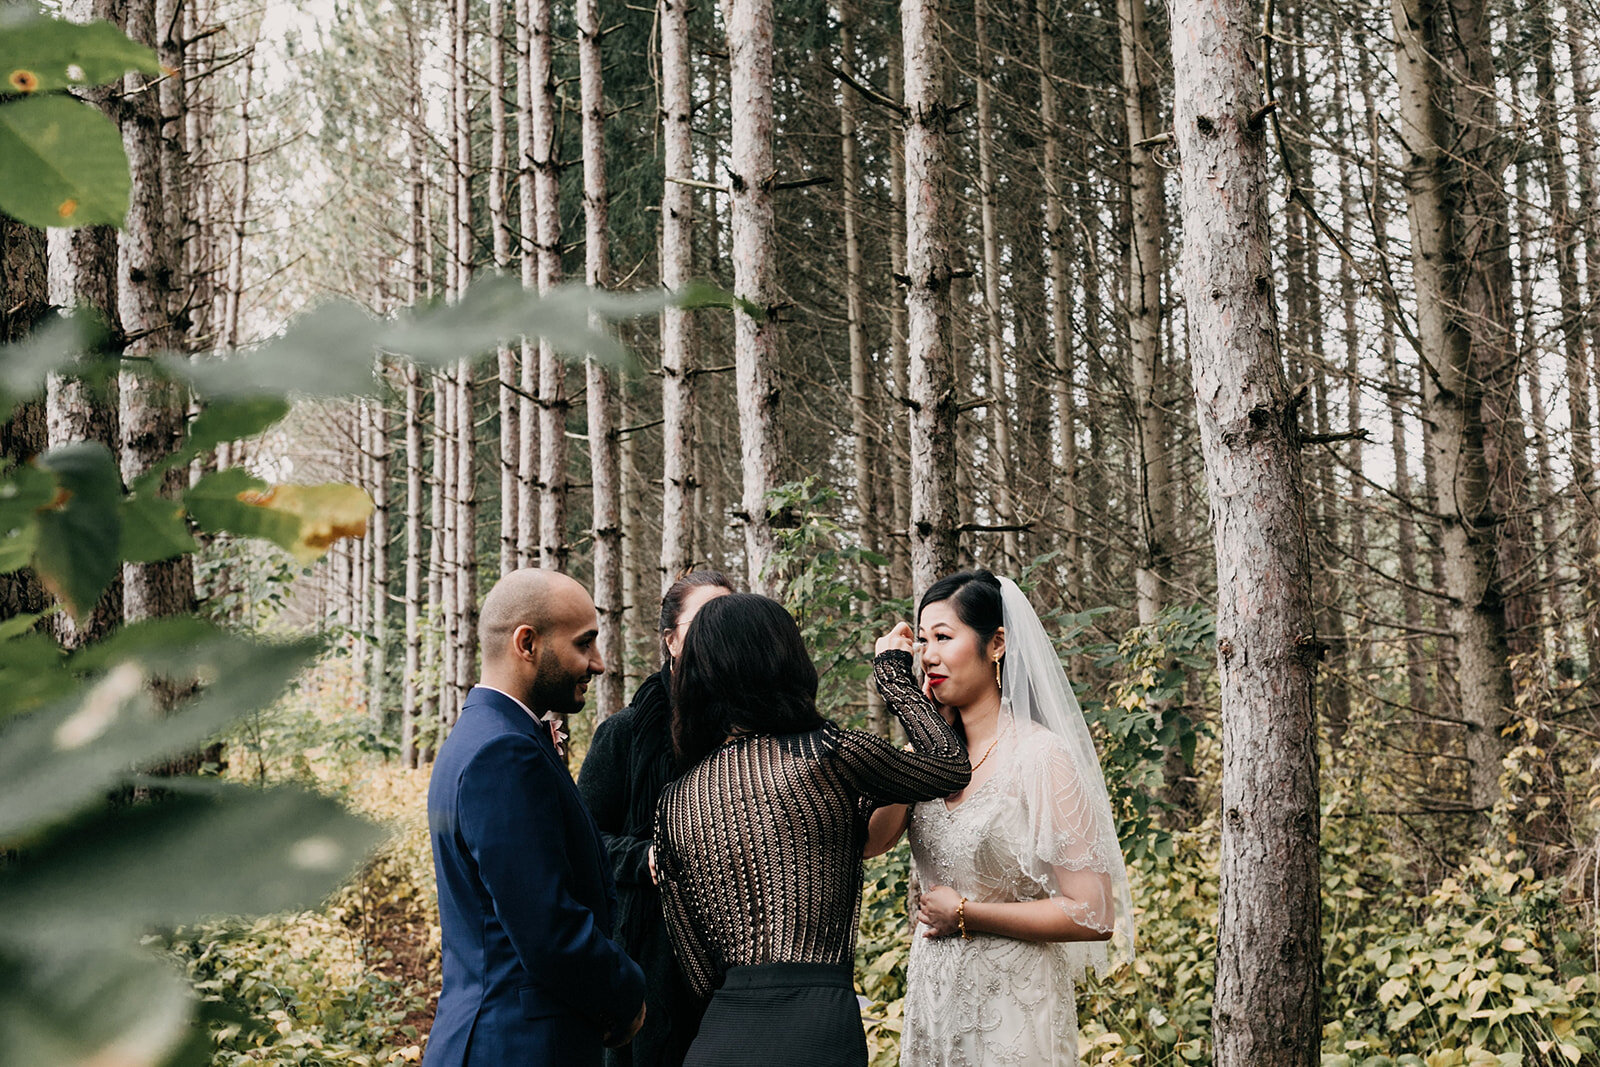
(601, 398)
(444, 535)
(752, 170)
(466, 534)
(83, 274)
(358, 472)
(1152, 568)
(553, 403)
(24, 300)
(1454, 380)
(378, 549)
(410, 695)
(934, 508)
(863, 438)
(998, 410)
(151, 420)
(1269, 951)
(899, 450)
(528, 251)
(678, 334)
(1580, 38)
(1064, 431)
(1564, 235)
(233, 289)
(505, 356)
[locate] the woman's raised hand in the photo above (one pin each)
(898, 638)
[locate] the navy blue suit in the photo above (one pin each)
(526, 900)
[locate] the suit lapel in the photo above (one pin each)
(497, 703)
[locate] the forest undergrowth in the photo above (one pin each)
(1487, 965)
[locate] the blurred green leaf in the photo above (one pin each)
(215, 505)
(18, 625)
(61, 163)
(41, 54)
(219, 422)
(304, 519)
(153, 642)
(76, 556)
(330, 351)
(153, 529)
(66, 1006)
(54, 345)
(119, 872)
(65, 758)
(32, 672)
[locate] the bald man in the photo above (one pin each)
(531, 977)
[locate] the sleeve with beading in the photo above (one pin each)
(937, 765)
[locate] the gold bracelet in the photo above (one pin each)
(961, 919)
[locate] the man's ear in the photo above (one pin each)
(525, 643)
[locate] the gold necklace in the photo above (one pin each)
(990, 749)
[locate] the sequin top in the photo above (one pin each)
(758, 846)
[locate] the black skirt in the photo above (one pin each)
(782, 1014)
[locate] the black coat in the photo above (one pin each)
(628, 765)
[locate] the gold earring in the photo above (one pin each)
(997, 683)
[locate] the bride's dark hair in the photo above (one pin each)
(976, 596)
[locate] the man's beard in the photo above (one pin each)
(556, 690)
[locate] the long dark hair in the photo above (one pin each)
(743, 668)
(672, 601)
(976, 596)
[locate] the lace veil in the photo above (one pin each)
(1036, 687)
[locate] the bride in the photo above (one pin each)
(1018, 880)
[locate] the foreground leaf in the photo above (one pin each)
(330, 350)
(61, 164)
(153, 529)
(76, 556)
(63, 759)
(41, 54)
(303, 519)
(212, 851)
(219, 422)
(23, 492)
(73, 1007)
(54, 345)
(32, 672)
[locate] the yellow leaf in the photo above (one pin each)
(327, 513)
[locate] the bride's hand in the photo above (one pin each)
(936, 909)
(898, 638)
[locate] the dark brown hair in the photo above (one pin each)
(744, 668)
(672, 600)
(977, 600)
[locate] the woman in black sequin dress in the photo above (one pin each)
(758, 844)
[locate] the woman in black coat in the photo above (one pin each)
(629, 763)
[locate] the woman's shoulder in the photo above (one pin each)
(1039, 747)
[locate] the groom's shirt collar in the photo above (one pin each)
(548, 716)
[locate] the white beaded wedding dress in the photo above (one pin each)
(1039, 827)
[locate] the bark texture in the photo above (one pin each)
(1269, 952)
(752, 170)
(1453, 379)
(605, 474)
(678, 335)
(935, 515)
